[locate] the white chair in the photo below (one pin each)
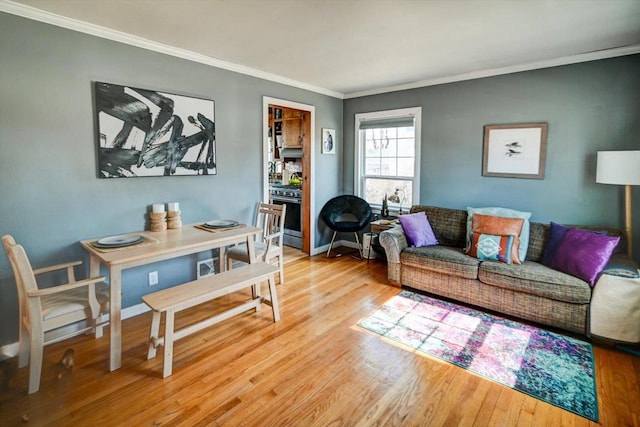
(47, 309)
(271, 219)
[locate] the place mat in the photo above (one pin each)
(217, 230)
(147, 241)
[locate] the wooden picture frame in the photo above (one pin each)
(515, 151)
(328, 141)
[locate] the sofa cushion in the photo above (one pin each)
(443, 259)
(417, 229)
(538, 234)
(449, 225)
(508, 213)
(536, 279)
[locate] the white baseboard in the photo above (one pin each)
(347, 243)
(11, 350)
(8, 351)
(134, 310)
(336, 244)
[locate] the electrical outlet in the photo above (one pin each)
(153, 278)
(206, 267)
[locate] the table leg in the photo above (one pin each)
(115, 317)
(94, 271)
(94, 266)
(251, 251)
(222, 266)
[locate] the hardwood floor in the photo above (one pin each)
(313, 368)
(292, 254)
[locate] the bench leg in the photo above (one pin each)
(153, 338)
(168, 344)
(274, 299)
(256, 293)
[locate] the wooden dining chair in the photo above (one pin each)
(269, 248)
(44, 310)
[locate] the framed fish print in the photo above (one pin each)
(515, 151)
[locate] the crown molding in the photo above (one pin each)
(121, 37)
(29, 12)
(555, 62)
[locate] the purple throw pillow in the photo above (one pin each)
(418, 230)
(556, 234)
(584, 254)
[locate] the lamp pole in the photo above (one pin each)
(628, 220)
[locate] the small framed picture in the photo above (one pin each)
(328, 141)
(515, 151)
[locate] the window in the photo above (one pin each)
(388, 157)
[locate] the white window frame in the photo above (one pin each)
(358, 176)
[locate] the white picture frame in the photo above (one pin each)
(328, 141)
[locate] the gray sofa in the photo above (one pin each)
(530, 291)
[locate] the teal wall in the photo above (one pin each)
(49, 191)
(51, 197)
(589, 107)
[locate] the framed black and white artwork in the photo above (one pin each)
(515, 151)
(144, 132)
(328, 141)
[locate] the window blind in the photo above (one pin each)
(395, 122)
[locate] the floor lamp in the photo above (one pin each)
(621, 168)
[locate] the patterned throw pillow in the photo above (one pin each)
(490, 247)
(500, 226)
(508, 213)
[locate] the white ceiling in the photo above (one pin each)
(347, 48)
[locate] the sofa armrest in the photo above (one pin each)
(394, 242)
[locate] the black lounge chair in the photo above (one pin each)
(346, 214)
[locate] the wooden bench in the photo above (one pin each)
(178, 298)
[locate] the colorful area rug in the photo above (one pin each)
(548, 366)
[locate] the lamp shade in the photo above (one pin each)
(618, 167)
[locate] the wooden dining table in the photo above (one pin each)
(157, 246)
